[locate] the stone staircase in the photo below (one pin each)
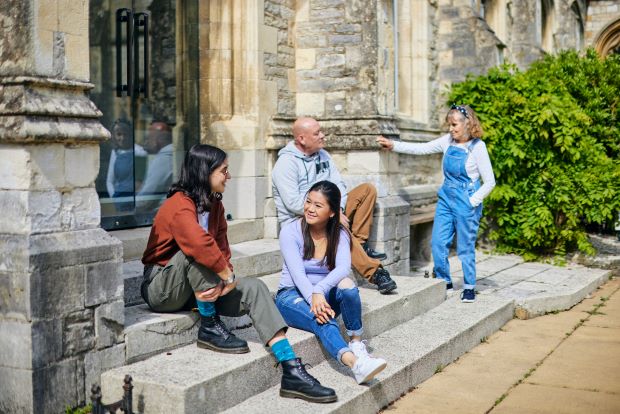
(418, 331)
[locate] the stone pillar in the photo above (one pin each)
(61, 298)
(236, 101)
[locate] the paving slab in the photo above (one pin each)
(414, 351)
(587, 360)
(542, 399)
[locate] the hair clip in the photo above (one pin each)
(460, 108)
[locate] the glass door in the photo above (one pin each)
(137, 73)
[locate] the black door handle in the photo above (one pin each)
(142, 20)
(124, 16)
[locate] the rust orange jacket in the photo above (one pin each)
(176, 228)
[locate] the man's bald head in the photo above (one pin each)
(308, 135)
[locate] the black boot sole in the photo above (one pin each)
(306, 397)
(387, 289)
(382, 257)
(207, 345)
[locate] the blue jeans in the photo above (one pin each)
(296, 313)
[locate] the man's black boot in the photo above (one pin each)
(381, 278)
(372, 253)
(298, 383)
(214, 335)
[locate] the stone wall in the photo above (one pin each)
(61, 294)
(601, 15)
(279, 58)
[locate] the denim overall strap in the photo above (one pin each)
(455, 214)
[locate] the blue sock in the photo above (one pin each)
(283, 351)
(206, 308)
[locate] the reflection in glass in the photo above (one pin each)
(159, 172)
(141, 106)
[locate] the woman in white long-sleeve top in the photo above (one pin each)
(315, 286)
(459, 206)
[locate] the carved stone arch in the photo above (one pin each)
(608, 39)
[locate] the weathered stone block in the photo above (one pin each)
(80, 209)
(56, 291)
(81, 165)
(15, 295)
(310, 104)
(246, 204)
(46, 340)
(109, 323)
(16, 344)
(48, 166)
(246, 163)
(15, 173)
(103, 283)
(269, 39)
(370, 162)
(272, 228)
(45, 211)
(78, 333)
(14, 207)
(99, 361)
(383, 228)
(73, 248)
(305, 58)
(58, 386)
(16, 390)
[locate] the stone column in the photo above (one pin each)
(236, 101)
(61, 298)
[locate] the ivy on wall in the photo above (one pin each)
(553, 134)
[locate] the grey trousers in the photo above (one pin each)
(168, 288)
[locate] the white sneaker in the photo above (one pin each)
(366, 368)
(359, 349)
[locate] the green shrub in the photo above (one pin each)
(553, 134)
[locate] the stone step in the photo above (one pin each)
(415, 350)
(134, 240)
(189, 379)
(249, 258)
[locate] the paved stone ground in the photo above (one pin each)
(537, 288)
(566, 362)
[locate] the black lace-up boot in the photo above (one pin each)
(381, 278)
(298, 383)
(214, 335)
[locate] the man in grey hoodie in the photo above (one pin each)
(303, 162)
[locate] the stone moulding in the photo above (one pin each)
(38, 110)
(342, 133)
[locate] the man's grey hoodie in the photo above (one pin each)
(294, 174)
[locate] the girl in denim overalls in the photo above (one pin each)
(459, 205)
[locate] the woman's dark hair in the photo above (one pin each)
(332, 194)
(200, 162)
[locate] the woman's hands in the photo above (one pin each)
(321, 309)
(211, 295)
(385, 143)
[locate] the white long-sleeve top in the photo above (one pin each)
(478, 164)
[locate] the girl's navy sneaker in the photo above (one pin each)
(468, 296)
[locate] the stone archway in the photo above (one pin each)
(608, 40)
